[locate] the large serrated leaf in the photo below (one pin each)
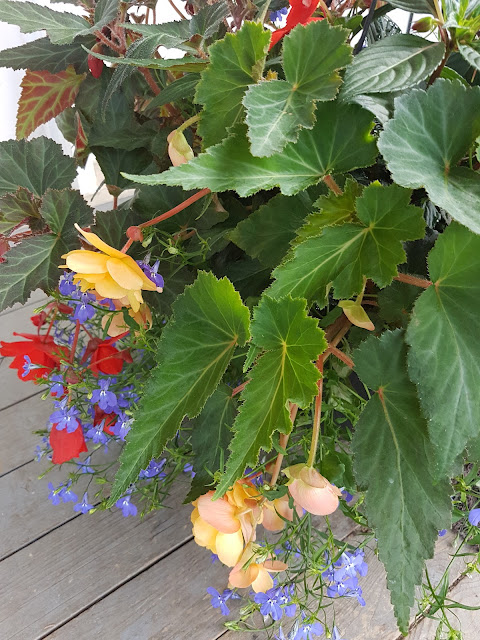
(16, 207)
(340, 141)
(267, 232)
(343, 255)
(393, 460)
(33, 263)
(188, 63)
(392, 64)
(235, 62)
(312, 57)
(211, 436)
(427, 137)
(415, 6)
(45, 95)
(37, 165)
(42, 55)
(284, 372)
(471, 53)
(209, 321)
(444, 359)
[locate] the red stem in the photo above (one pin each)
(183, 205)
(416, 282)
(75, 340)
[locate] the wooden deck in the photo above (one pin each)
(67, 576)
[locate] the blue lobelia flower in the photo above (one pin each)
(57, 389)
(83, 466)
(84, 506)
(340, 587)
(276, 16)
(66, 285)
(218, 600)
(152, 272)
(28, 366)
(67, 494)
(122, 425)
(127, 508)
(269, 603)
(65, 418)
(285, 600)
(54, 494)
(474, 517)
(441, 533)
(97, 434)
(188, 468)
(106, 399)
(336, 634)
(154, 469)
(356, 592)
(350, 564)
(309, 631)
(83, 309)
(346, 495)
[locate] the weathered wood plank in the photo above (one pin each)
(36, 298)
(167, 602)
(467, 592)
(16, 426)
(12, 390)
(80, 563)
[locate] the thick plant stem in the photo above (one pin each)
(75, 340)
(156, 89)
(332, 185)
(317, 416)
(183, 205)
(283, 440)
(416, 282)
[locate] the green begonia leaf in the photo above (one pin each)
(34, 262)
(312, 56)
(267, 232)
(471, 53)
(188, 63)
(415, 6)
(41, 54)
(211, 435)
(37, 165)
(392, 64)
(15, 207)
(340, 141)
(429, 134)
(393, 460)
(235, 62)
(332, 210)
(444, 359)
(209, 321)
(284, 373)
(343, 255)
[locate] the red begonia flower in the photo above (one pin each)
(109, 418)
(105, 358)
(300, 13)
(42, 351)
(66, 445)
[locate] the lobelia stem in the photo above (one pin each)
(413, 280)
(283, 440)
(317, 416)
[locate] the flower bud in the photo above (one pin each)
(95, 64)
(178, 148)
(311, 490)
(423, 25)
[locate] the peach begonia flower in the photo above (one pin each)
(226, 524)
(252, 570)
(275, 512)
(110, 272)
(311, 490)
(116, 325)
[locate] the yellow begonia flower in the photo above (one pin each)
(110, 272)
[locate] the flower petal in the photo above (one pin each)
(242, 578)
(205, 535)
(319, 502)
(83, 261)
(219, 513)
(123, 275)
(263, 582)
(95, 241)
(229, 547)
(108, 288)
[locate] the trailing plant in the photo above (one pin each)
(289, 314)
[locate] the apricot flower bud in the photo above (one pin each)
(178, 148)
(311, 490)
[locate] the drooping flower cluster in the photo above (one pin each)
(342, 575)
